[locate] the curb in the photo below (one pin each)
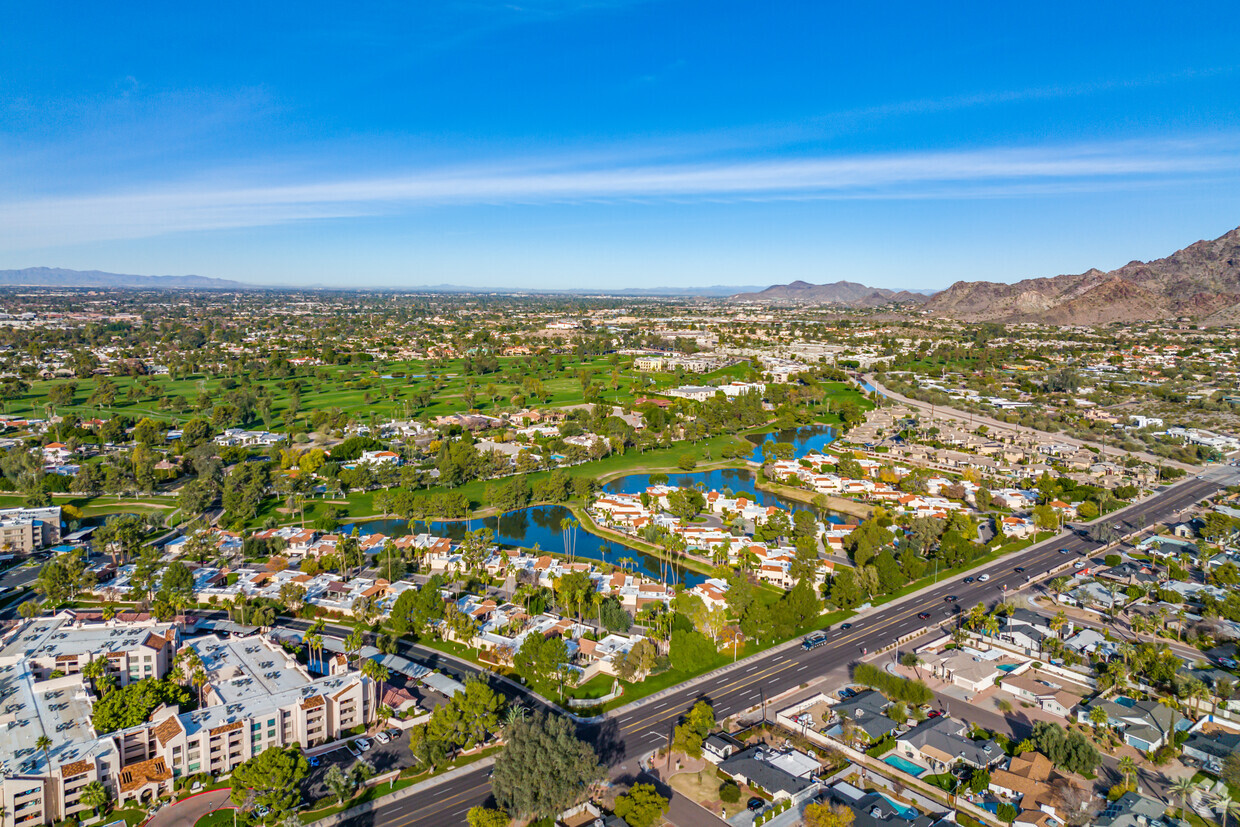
(401, 794)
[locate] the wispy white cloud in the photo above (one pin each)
(980, 173)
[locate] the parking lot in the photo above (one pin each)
(394, 755)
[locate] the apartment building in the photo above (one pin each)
(27, 529)
(257, 696)
(64, 644)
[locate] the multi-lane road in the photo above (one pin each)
(630, 733)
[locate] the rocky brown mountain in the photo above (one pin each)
(847, 293)
(1202, 281)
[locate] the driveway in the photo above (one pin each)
(185, 813)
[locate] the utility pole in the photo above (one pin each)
(670, 731)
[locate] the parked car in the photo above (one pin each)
(313, 760)
(755, 804)
(383, 738)
(363, 744)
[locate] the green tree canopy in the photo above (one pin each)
(269, 779)
(544, 769)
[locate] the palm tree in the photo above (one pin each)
(44, 743)
(199, 679)
(353, 643)
(597, 598)
(1226, 806)
(1182, 788)
(516, 714)
(1128, 768)
(96, 796)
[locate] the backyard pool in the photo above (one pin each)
(904, 765)
(1008, 667)
(907, 813)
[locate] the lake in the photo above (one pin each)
(540, 524)
(806, 440)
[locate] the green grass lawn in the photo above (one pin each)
(671, 677)
(218, 818)
(382, 389)
(132, 816)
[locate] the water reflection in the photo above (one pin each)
(537, 526)
(540, 525)
(804, 440)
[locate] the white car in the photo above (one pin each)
(363, 744)
(983, 577)
(1079, 564)
(382, 738)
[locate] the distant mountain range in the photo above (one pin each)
(845, 293)
(60, 277)
(1202, 282)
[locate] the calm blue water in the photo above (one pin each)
(804, 440)
(536, 526)
(904, 765)
(540, 525)
(867, 387)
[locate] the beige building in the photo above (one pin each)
(26, 529)
(257, 696)
(64, 644)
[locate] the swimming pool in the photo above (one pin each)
(907, 813)
(904, 765)
(1008, 667)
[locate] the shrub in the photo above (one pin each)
(894, 687)
(729, 792)
(886, 745)
(1006, 812)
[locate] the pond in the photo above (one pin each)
(539, 526)
(735, 480)
(805, 440)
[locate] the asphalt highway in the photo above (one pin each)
(631, 733)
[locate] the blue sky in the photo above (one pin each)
(555, 143)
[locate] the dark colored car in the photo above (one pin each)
(755, 804)
(923, 615)
(968, 580)
(1063, 551)
(951, 598)
(845, 625)
(814, 641)
(1019, 569)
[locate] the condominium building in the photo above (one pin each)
(26, 529)
(64, 644)
(256, 696)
